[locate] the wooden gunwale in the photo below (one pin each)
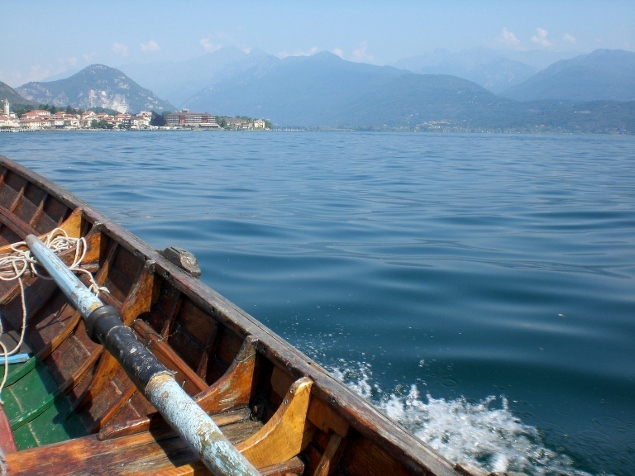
(367, 420)
(417, 457)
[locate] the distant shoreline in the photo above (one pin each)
(328, 129)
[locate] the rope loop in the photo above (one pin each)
(20, 262)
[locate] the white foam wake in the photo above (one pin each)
(485, 434)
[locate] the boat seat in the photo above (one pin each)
(159, 452)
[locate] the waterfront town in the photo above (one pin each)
(68, 119)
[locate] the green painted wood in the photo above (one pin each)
(37, 413)
(33, 388)
(56, 424)
(31, 414)
(11, 405)
(24, 438)
(17, 371)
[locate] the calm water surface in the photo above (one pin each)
(480, 289)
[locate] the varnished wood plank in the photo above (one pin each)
(28, 204)
(8, 290)
(362, 458)
(139, 299)
(172, 312)
(72, 226)
(294, 466)
(93, 242)
(323, 417)
(54, 343)
(85, 455)
(106, 369)
(147, 453)
(289, 467)
(15, 178)
(114, 409)
(331, 456)
(156, 421)
(56, 211)
(36, 196)
(109, 256)
(188, 379)
(38, 292)
(195, 322)
(80, 373)
(280, 381)
(17, 226)
(233, 390)
(189, 349)
(210, 347)
(235, 387)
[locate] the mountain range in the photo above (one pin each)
(484, 67)
(607, 75)
(588, 93)
(179, 81)
(95, 86)
(14, 98)
(298, 90)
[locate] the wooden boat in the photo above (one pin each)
(72, 409)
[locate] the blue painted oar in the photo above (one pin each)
(104, 325)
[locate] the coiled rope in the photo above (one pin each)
(20, 262)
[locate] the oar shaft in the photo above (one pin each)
(104, 325)
(83, 300)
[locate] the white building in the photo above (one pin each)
(8, 119)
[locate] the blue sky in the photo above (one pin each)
(43, 38)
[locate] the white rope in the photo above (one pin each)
(15, 265)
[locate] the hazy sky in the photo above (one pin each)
(42, 38)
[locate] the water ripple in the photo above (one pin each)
(464, 265)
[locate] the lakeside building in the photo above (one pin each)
(191, 119)
(8, 119)
(39, 119)
(124, 119)
(35, 114)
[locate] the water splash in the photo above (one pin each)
(485, 434)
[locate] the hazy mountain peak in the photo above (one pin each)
(96, 85)
(7, 92)
(179, 80)
(600, 75)
(483, 66)
(322, 56)
(257, 52)
(327, 55)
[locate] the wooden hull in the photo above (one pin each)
(73, 410)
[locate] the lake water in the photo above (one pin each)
(479, 289)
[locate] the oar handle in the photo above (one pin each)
(105, 326)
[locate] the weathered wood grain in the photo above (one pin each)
(188, 379)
